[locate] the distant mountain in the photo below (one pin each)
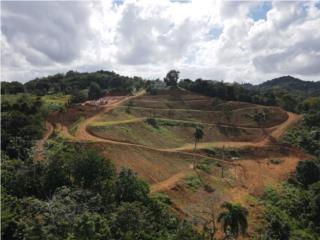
(289, 83)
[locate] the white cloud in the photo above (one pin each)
(203, 39)
(287, 43)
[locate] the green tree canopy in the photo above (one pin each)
(307, 172)
(172, 78)
(91, 170)
(198, 135)
(94, 91)
(234, 219)
(130, 188)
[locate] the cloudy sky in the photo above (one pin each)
(244, 41)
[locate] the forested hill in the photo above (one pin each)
(289, 83)
(72, 81)
(290, 93)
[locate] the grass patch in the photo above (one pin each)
(138, 131)
(171, 123)
(204, 165)
(220, 152)
(193, 182)
(276, 161)
(75, 125)
(110, 123)
(55, 102)
(251, 200)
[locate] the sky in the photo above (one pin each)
(233, 41)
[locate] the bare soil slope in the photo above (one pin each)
(169, 168)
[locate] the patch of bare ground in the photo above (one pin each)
(237, 186)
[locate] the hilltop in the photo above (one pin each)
(153, 135)
(289, 83)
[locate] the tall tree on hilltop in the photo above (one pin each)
(172, 78)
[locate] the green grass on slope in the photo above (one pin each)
(142, 133)
(50, 102)
(75, 125)
(55, 102)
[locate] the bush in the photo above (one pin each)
(152, 122)
(193, 182)
(276, 161)
(307, 172)
(205, 165)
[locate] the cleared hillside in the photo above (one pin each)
(154, 136)
(168, 120)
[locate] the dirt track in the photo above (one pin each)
(276, 133)
(82, 134)
(169, 183)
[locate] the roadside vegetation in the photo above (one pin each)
(56, 102)
(307, 134)
(293, 209)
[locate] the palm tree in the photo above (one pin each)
(198, 135)
(234, 219)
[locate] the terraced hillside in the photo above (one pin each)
(154, 136)
(169, 120)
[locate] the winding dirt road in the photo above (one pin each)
(276, 132)
(82, 134)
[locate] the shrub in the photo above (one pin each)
(276, 161)
(307, 172)
(205, 165)
(152, 122)
(193, 182)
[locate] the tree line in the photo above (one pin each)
(72, 82)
